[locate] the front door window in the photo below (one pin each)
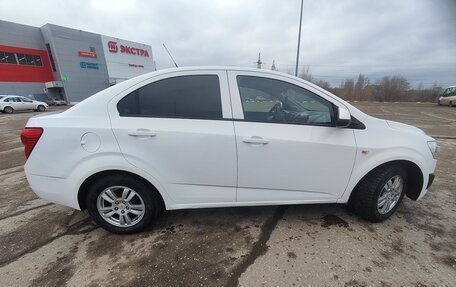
(270, 100)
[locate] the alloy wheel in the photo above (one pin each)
(121, 206)
(390, 194)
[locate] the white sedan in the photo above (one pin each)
(10, 103)
(218, 137)
(448, 97)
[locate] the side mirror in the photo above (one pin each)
(343, 117)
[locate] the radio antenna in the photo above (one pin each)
(175, 64)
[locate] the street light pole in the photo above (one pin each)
(299, 39)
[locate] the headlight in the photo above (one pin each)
(433, 147)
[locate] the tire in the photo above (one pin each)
(365, 198)
(451, 104)
(8, 110)
(144, 196)
(41, 108)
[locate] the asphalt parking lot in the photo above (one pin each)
(44, 244)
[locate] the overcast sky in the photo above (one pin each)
(413, 38)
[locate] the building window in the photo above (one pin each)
(7, 58)
(21, 59)
(37, 60)
(29, 60)
(48, 48)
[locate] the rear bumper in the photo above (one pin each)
(56, 190)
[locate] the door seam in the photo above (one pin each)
(235, 137)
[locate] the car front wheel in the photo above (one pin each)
(41, 108)
(121, 204)
(378, 195)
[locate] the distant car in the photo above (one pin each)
(448, 97)
(10, 103)
(56, 102)
(217, 137)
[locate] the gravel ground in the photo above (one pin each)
(43, 244)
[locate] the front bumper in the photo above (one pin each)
(430, 181)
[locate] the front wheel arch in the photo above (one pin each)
(414, 175)
(85, 186)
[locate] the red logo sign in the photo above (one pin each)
(87, 54)
(112, 46)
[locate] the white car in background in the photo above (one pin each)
(10, 103)
(448, 97)
(217, 137)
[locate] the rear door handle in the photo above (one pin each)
(255, 140)
(141, 133)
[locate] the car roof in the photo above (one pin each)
(219, 68)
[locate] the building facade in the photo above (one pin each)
(63, 63)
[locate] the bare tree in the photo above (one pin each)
(360, 88)
(389, 88)
(323, 84)
(306, 74)
(393, 88)
(347, 89)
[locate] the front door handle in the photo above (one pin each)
(141, 133)
(255, 140)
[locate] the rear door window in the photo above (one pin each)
(194, 97)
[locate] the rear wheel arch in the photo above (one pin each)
(8, 109)
(88, 182)
(415, 177)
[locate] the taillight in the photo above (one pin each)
(29, 137)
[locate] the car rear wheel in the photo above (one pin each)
(41, 108)
(8, 110)
(378, 195)
(121, 204)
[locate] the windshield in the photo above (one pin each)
(451, 91)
